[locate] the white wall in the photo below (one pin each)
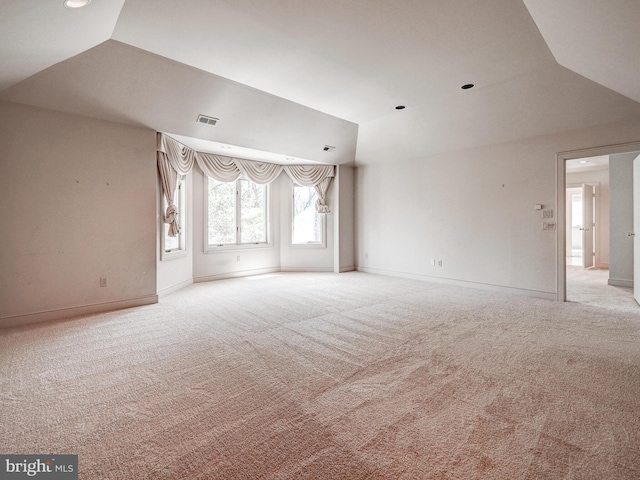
(621, 210)
(79, 203)
(344, 208)
(600, 178)
(472, 209)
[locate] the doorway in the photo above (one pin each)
(587, 227)
(578, 265)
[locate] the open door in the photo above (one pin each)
(636, 229)
(587, 225)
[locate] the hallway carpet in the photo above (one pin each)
(325, 376)
(590, 287)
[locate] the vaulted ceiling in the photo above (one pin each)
(288, 77)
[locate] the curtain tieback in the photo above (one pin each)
(322, 207)
(172, 213)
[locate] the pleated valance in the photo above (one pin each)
(176, 159)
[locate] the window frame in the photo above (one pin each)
(180, 198)
(229, 247)
(323, 242)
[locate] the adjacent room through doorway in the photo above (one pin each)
(597, 204)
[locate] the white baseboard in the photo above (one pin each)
(461, 283)
(262, 271)
(306, 269)
(64, 313)
(350, 268)
(174, 288)
(241, 273)
(616, 282)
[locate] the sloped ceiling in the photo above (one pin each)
(599, 40)
(288, 76)
(354, 59)
(35, 34)
(121, 83)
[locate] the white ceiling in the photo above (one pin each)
(327, 71)
(35, 34)
(597, 39)
(354, 59)
(587, 164)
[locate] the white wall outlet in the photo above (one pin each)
(439, 263)
(366, 256)
(538, 206)
(548, 226)
(103, 282)
(433, 262)
(238, 258)
(547, 214)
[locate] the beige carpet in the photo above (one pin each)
(590, 287)
(326, 376)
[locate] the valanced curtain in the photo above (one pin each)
(317, 177)
(173, 159)
(176, 159)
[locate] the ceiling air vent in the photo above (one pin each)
(329, 148)
(207, 120)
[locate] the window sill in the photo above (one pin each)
(235, 248)
(308, 245)
(165, 256)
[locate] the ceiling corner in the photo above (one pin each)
(37, 34)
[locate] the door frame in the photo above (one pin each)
(561, 186)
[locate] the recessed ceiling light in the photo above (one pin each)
(583, 161)
(467, 86)
(400, 107)
(76, 3)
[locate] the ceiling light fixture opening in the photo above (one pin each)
(467, 86)
(76, 3)
(329, 148)
(400, 107)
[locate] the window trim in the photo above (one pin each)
(230, 247)
(183, 216)
(323, 242)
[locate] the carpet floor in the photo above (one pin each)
(325, 376)
(590, 287)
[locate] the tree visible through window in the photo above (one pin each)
(173, 245)
(253, 209)
(308, 224)
(236, 213)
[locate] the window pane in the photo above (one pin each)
(221, 212)
(253, 212)
(307, 223)
(175, 243)
(170, 243)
